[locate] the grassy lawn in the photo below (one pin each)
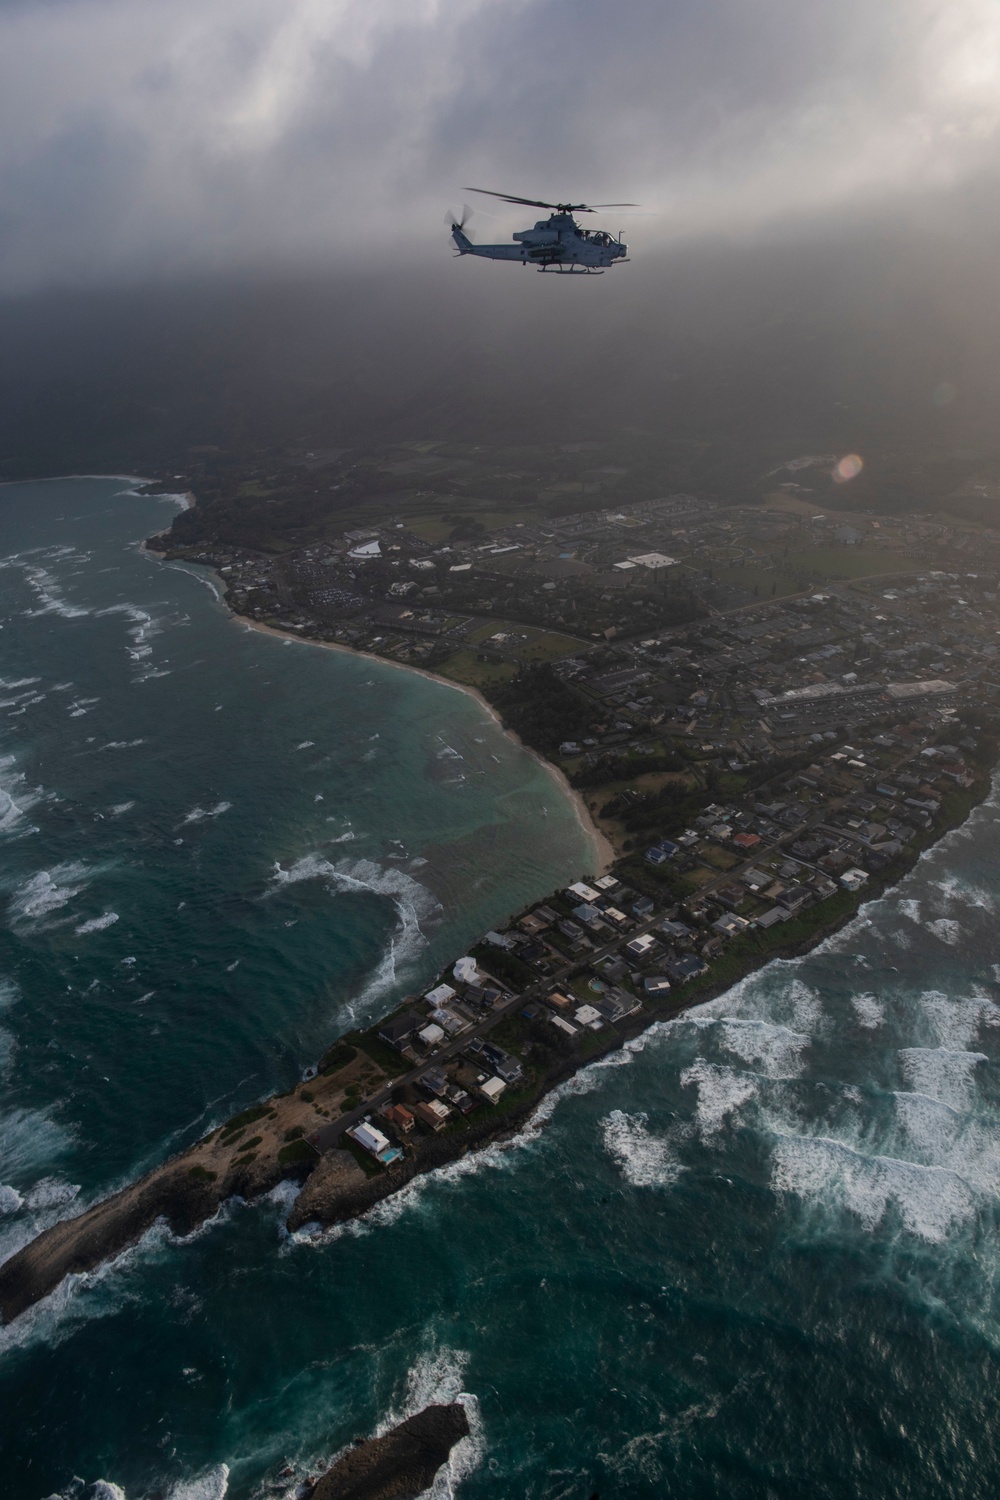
(547, 645)
(720, 858)
(465, 667)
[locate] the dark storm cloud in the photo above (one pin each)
(142, 136)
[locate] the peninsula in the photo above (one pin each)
(760, 769)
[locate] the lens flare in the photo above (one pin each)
(849, 467)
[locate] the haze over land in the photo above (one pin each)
(226, 227)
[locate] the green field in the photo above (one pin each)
(465, 667)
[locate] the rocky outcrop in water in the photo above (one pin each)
(402, 1463)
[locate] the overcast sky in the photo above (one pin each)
(146, 137)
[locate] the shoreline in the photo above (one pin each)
(603, 849)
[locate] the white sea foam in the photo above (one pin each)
(414, 905)
(119, 808)
(123, 745)
(869, 1011)
(50, 1192)
(910, 909)
(47, 591)
(954, 1023)
(11, 1201)
(98, 924)
(305, 745)
(722, 1092)
(828, 1174)
(643, 1159)
(200, 814)
(773, 1050)
(30, 1140)
(212, 1484)
(942, 1074)
(16, 798)
(48, 891)
(947, 930)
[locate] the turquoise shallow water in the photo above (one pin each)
(754, 1255)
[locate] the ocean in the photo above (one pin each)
(752, 1255)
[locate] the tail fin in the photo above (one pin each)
(461, 239)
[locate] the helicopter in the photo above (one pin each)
(555, 244)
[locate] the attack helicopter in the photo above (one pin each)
(557, 243)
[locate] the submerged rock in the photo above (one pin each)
(402, 1463)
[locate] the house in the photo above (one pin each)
(502, 1062)
(450, 1020)
(676, 931)
(375, 1143)
(491, 1089)
(853, 880)
(746, 841)
(589, 916)
(400, 1030)
(796, 897)
(432, 1112)
(432, 1035)
(769, 918)
(642, 946)
(433, 1081)
(399, 1117)
(561, 1001)
(642, 907)
(656, 856)
(656, 985)
(615, 1005)
(607, 883)
(685, 968)
(564, 1026)
(587, 1015)
(729, 925)
(441, 995)
(754, 880)
(612, 914)
(582, 892)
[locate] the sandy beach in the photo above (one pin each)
(604, 854)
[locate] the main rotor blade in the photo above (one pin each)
(509, 198)
(566, 208)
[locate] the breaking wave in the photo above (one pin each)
(202, 814)
(415, 907)
(47, 892)
(643, 1159)
(97, 924)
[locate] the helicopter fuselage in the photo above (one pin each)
(554, 244)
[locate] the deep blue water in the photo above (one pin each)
(754, 1255)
